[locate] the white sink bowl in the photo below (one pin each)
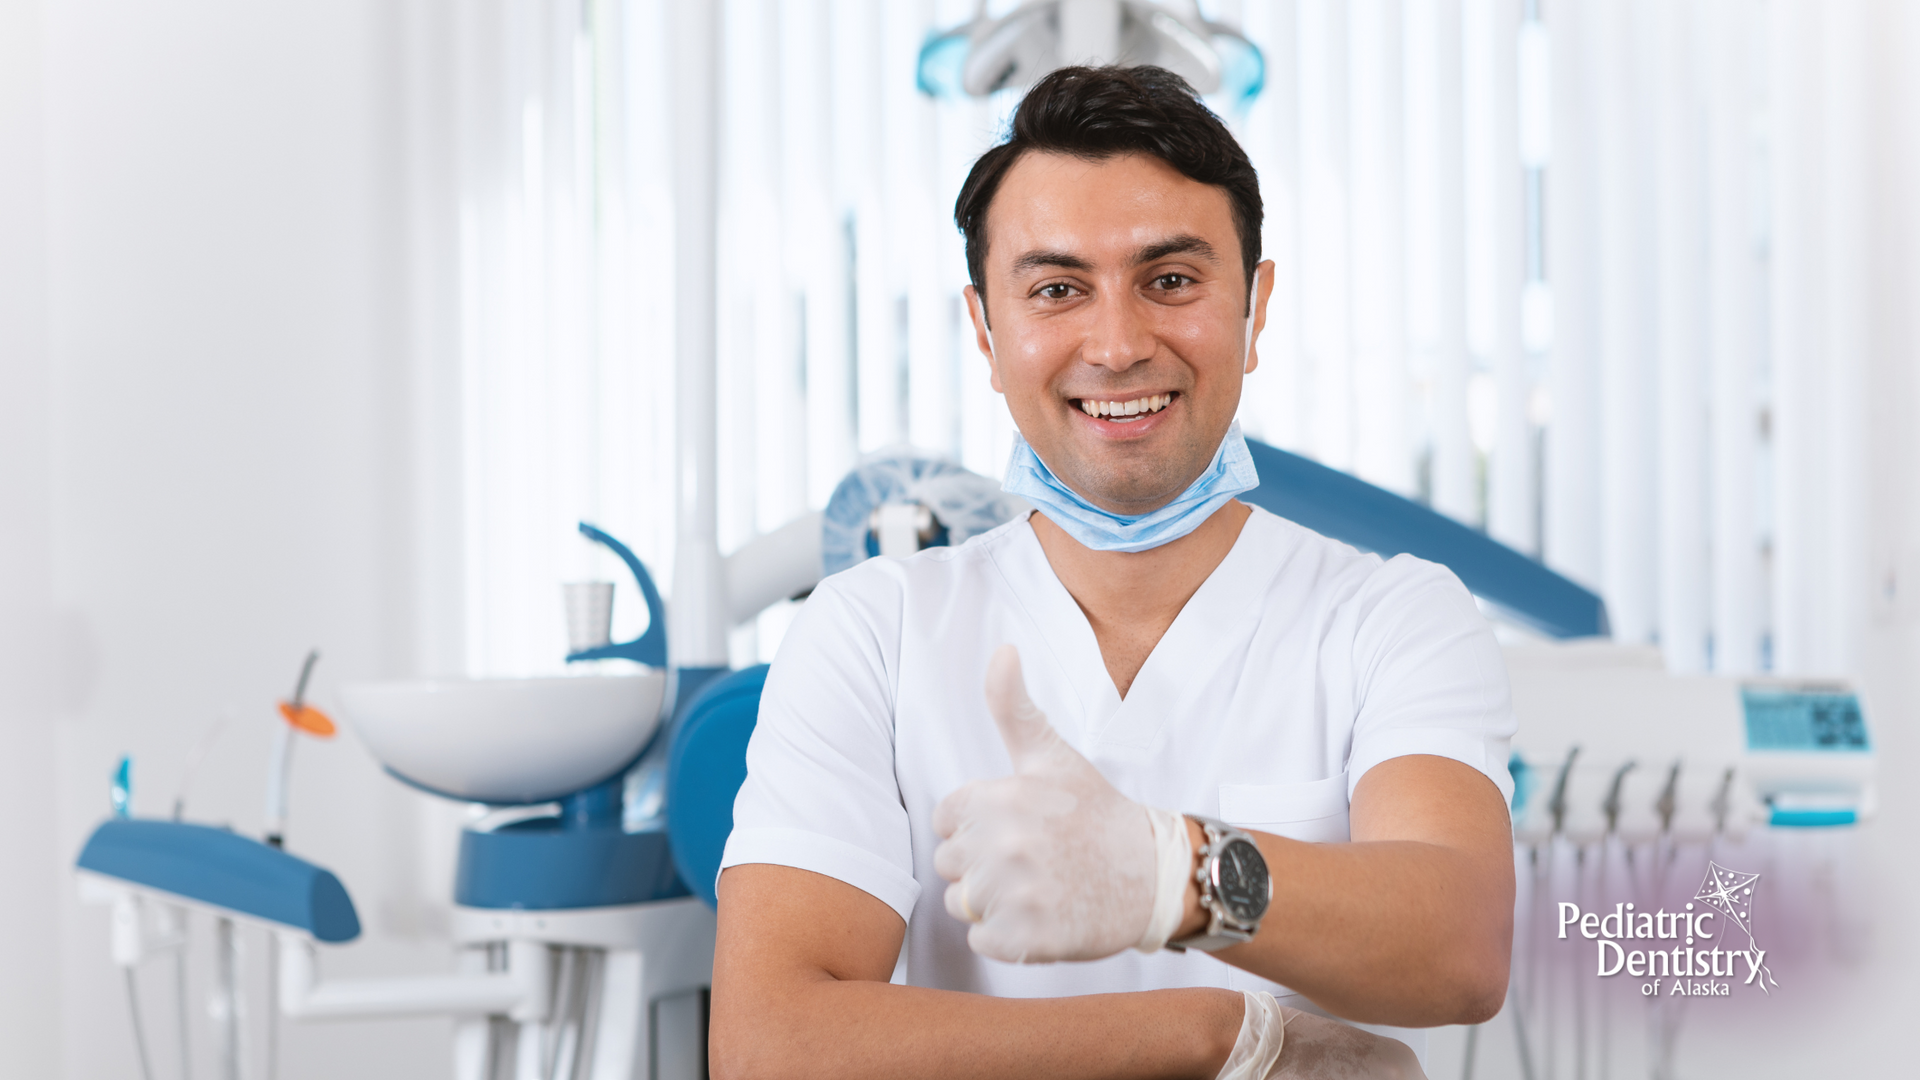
(506, 741)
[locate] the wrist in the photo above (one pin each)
(1194, 916)
(1226, 1016)
(1172, 874)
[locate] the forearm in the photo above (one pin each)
(834, 1028)
(1409, 924)
(1393, 932)
(800, 990)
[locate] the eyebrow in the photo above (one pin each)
(1185, 244)
(1177, 245)
(1041, 259)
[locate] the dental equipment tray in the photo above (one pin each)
(222, 869)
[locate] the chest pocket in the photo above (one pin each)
(1313, 810)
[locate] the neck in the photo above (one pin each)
(1130, 598)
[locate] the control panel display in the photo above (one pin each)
(1803, 719)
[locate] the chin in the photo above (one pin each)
(1138, 490)
(1138, 475)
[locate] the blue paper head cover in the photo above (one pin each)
(1230, 473)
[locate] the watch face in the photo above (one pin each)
(1243, 887)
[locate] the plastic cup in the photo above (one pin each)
(589, 614)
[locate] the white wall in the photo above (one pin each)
(39, 646)
(206, 458)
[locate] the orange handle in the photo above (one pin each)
(308, 719)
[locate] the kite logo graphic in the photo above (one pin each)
(1687, 947)
(1730, 892)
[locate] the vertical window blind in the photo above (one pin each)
(1587, 274)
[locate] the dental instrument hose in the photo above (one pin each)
(139, 1033)
(278, 774)
(273, 1007)
(180, 1007)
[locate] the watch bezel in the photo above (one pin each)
(1224, 926)
(1229, 908)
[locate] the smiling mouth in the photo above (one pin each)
(1124, 412)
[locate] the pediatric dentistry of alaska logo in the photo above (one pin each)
(1694, 964)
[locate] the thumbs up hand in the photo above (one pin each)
(1052, 863)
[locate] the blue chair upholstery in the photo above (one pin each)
(542, 865)
(1350, 510)
(706, 765)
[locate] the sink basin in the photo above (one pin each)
(506, 741)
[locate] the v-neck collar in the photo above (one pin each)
(1223, 610)
(1061, 625)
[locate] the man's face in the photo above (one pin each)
(1119, 321)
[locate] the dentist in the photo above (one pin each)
(1151, 782)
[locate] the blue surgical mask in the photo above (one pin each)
(1230, 473)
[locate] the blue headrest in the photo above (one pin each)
(706, 765)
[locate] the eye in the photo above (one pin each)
(1171, 282)
(1057, 290)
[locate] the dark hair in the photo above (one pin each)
(1099, 112)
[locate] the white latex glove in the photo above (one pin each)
(1263, 1031)
(1052, 863)
(1278, 1043)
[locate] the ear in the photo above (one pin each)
(982, 334)
(1262, 290)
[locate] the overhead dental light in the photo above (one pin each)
(989, 54)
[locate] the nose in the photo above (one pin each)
(1118, 334)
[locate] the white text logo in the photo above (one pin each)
(1636, 942)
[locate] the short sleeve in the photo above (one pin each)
(820, 792)
(1431, 679)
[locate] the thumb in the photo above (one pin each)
(1023, 727)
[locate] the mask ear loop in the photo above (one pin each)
(1246, 352)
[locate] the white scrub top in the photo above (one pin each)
(1297, 666)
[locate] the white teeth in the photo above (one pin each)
(1137, 406)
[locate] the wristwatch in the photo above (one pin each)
(1234, 888)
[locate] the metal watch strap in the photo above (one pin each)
(1219, 933)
